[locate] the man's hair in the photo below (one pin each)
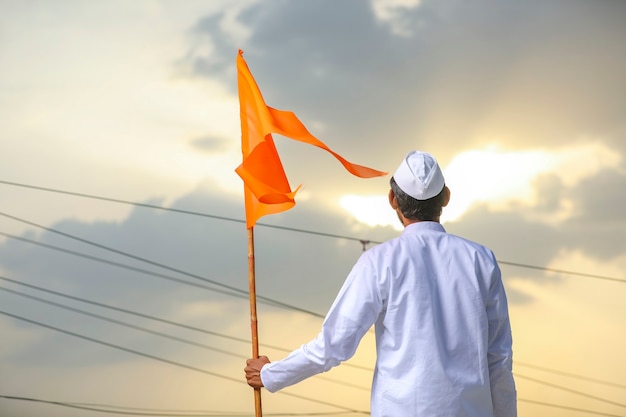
(414, 209)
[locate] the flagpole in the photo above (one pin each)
(253, 318)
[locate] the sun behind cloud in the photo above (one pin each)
(504, 180)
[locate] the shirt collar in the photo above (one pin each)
(423, 226)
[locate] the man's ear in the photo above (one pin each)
(393, 202)
(446, 197)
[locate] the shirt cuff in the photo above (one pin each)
(266, 379)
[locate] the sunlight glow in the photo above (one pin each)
(373, 210)
(503, 180)
(507, 180)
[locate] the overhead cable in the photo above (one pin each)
(157, 333)
(560, 387)
(171, 362)
(160, 265)
(134, 411)
(292, 229)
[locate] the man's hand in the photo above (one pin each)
(253, 371)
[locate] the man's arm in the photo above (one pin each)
(500, 352)
(354, 311)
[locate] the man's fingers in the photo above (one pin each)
(253, 370)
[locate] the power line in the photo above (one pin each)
(122, 323)
(102, 409)
(246, 341)
(157, 333)
(111, 345)
(338, 236)
(150, 317)
(241, 294)
(135, 313)
(287, 393)
(181, 211)
(133, 256)
(584, 378)
(123, 266)
(105, 408)
(242, 340)
(197, 285)
(328, 379)
(136, 269)
(584, 394)
(171, 362)
(160, 265)
(565, 407)
(562, 271)
(134, 411)
(291, 229)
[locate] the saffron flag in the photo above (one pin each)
(266, 188)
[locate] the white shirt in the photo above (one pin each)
(443, 337)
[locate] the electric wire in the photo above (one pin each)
(565, 407)
(517, 375)
(292, 229)
(161, 334)
(161, 320)
(135, 313)
(240, 294)
(265, 345)
(105, 408)
(133, 256)
(160, 265)
(125, 349)
(126, 254)
(136, 269)
(181, 211)
(100, 409)
(241, 356)
(562, 271)
(124, 266)
(134, 411)
(568, 374)
(171, 362)
(130, 267)
(323, 234)
(121, 323)
(583, 394)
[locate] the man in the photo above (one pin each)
(443, 337)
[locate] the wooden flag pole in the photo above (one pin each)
(253, 319)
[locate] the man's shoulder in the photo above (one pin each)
(478, 250)
(461, 240)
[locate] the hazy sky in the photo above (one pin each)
(523, 104)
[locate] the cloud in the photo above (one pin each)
(504, 179)
(210, 144)
(465, 77)
(598, 226)
(444, 76)
(393, 13)
(301, 269)
(510, 235)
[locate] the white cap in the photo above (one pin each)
(419, 176)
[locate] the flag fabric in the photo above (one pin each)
(266, 187)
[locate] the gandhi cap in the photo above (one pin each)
(419, 176)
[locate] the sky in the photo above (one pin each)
(130, 308)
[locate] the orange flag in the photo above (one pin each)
(266, 187)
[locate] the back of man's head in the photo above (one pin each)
(419, 187)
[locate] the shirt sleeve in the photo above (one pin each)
(500, 354)
(353, 312)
